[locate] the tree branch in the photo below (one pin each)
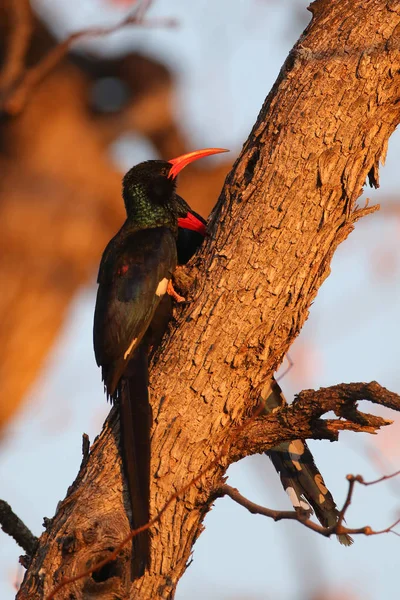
(302, 418)
(12, 525)
(21, 27)
(338, 529)
(16, 99)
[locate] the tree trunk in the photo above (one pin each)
(287, 204)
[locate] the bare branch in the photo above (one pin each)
(13, 526)
(18, 41)
(345, 394)
(338, 529)
(383, 478)
(302, 419)
(287, 370)
(15, 102)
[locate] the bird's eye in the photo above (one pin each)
(159, 187)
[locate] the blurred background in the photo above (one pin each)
(191, 75)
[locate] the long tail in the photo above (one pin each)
(135, 423)
(299, 474)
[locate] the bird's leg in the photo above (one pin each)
(171, 291)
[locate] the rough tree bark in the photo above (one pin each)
(287, 204)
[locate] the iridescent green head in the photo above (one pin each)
(149, 194)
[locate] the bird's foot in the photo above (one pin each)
(171, 291)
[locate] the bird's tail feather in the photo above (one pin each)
(135, 423)
(298, 472)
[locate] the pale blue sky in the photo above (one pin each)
(228, 55)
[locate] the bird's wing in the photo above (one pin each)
(133, 278)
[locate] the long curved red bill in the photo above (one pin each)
(181, 162)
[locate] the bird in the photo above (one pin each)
(300, 477)
(135, 273)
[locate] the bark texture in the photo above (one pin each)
(288, 202)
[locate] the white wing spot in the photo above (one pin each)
(162, 287)
(295, 500)
(305, 505)
(293, 496)
(129, 349)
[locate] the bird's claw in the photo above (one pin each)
(174, 294)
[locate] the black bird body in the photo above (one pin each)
(138, 262)
(135, 273)
(133, 277)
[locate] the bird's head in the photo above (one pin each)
(149, 187)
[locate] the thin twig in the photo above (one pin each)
(338, 528)
(287, 370)
(16, 101)
(13, 526)
(143, 8)
(21, 27)
(383, 478)
(339, 524)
